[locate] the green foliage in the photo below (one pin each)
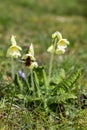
(68, 84)
(58, 90)
(59, 104)
(64, 91)
(57, 77)
(51, 98)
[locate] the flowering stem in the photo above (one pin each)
(50, 66)
(51, 59)
(12, 67)
(32, 81)
(45, 79)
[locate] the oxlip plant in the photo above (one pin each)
(30, 62)
(58, 47)
(13, 52)
(40, 89)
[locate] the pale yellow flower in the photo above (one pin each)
(14, 49)
(13, 41)
(60, 50)
(63, 43)
(29, 58)
(51, 49)
(60, 46)
(31, 50)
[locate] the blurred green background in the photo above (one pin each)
(35, 20)
(32, 20)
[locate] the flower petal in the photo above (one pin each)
(34, 64)
(31, 50)
(57, 34)
(19, 48)
(63, 42)
(21, 75)
(51, 49)
(13, 52)
(13, 41)
(60, 51)
(28, 55)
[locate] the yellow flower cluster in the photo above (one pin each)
(14, 52)
(60, 46)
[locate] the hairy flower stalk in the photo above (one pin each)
(52, 57)
(13, 52)
(12, 68)
(58, 47)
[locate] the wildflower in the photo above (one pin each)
(63, 42)
(29, 58)
(51, 49)
(59, 45)
(21, 75)
(14, 49)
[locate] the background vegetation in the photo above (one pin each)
(35, 21)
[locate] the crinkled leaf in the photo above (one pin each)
(61, 98)
(58, 77)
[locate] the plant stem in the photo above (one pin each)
(12, 67)
(45, 79)
(50, 66)
(32, 81)
(51, 59)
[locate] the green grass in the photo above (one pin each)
(35, 21)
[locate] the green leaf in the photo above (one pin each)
(68, 84)
(17, 81)
(61, 98)
(57, 77)
(39, 72)
(20, 96)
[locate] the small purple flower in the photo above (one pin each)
(22, 75)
